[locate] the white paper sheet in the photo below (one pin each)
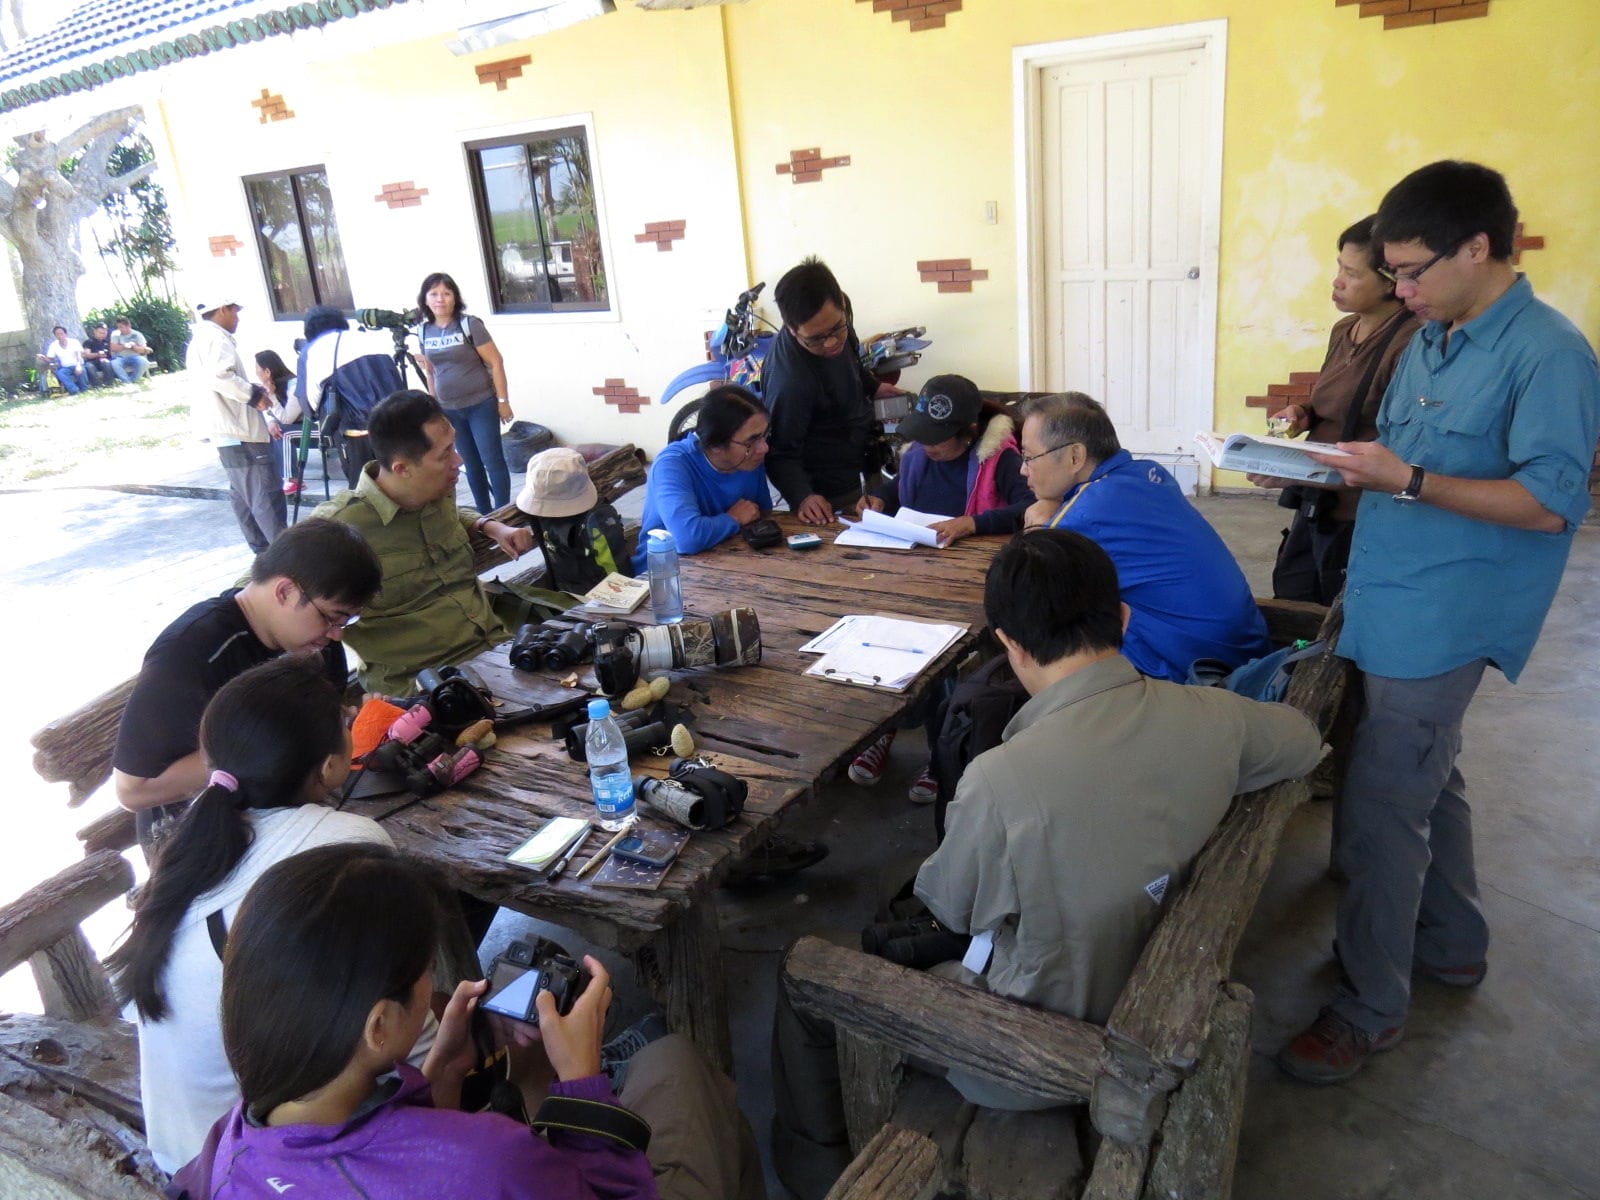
(905, 529)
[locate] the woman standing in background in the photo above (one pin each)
(467, 375)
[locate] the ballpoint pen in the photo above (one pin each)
(901, 649)
(568, 855)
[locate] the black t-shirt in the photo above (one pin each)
(821, 418)
(97, 345)
(186, 666)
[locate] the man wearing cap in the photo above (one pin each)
(97, 356)
(129, 348)
(1188, 596)
(582, 540)
(432, 611)
(230, 406)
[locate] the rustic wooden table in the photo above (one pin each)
(780, 731)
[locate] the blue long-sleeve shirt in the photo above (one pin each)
(690, 498)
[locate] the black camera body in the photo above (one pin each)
(919, 942)
(518, 976)
(552, 646)
(456, 697)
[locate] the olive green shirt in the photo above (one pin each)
(431, 611)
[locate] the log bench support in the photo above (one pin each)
(686, 955)
(41, 928)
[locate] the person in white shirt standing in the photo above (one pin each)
(231, 408)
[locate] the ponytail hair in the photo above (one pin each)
(264, 735)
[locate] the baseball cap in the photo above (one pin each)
(558, 485)
(946, 405)
(207, 307)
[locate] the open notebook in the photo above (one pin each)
(905, 529)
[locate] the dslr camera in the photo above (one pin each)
(518, 976)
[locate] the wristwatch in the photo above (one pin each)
(1413, 490)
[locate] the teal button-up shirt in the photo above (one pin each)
(1514, 394)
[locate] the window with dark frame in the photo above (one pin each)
(538, 223)
(299, 240)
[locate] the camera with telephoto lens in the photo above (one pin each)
(551, 646)
(456, 697)
(695, 795)
(518, 976)
(387, 318)
(623, 653)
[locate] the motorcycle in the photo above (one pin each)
(739, 347)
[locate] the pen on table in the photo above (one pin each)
(902, 649)
(568, 855)
(602, 852)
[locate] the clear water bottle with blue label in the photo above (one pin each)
(666, 590)
(608, 767)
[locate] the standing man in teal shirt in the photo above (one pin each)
(1471, 495)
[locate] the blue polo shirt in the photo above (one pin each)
(1188, 597)
(689, 497)
(1515, 394)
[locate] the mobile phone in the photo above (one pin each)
(650, 849)
(804, 541)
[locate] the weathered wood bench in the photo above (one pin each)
(70, 1118)
(1163, 1080)
(76, 749)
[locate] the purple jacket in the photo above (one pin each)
(405, 1149)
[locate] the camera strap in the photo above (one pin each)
(610, 1121)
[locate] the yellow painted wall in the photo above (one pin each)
(692, 111)
(1324, 111)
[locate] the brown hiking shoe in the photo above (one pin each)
(1331, 1049)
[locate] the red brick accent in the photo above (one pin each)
(501, 71)
(662, 233)
(807, 166)
(272, 108)
(617, 392)
(917, 14)
(401, 195)
(1405, 14)
(1522, 242)
(1279, 395)
(951, 274)
(225, 246)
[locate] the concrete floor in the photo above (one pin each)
(1489, 1094)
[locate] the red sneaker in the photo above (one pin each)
(925, 788)
(290, 487)
(869, 765)
(1331, 1049)
(1468, 976)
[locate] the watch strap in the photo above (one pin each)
(1413, 489)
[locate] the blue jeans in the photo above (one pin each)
(129, 368)
(478, 442)
(73, 379)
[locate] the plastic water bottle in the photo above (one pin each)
(666, 590)
(608, 767)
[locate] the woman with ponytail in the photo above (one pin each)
(276, 744)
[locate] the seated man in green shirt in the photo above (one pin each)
(431, 610)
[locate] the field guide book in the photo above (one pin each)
(1270, 456)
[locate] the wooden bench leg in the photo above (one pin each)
(897, 1164)
(1200, 1139)
(72, 983)
(870, 1074)
(682, 967)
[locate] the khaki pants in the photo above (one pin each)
(701, 1146)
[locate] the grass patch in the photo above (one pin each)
(45, 436)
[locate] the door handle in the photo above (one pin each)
(1194, 272)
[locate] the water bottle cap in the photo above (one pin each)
(599, 709)
(659, 539)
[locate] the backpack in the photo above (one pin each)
(354, 389)
(978, 712)
(1264, 678)
(580, 551)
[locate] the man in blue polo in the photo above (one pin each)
(1472, 493)
(1188, 597)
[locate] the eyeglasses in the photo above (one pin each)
(746, 443)
(1399, 277)
(817, 341)
(1028, 458)
(333, 620)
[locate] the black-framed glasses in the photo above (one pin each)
(837, 334)
(333, 620)
(1399, 277)
(1028, 458)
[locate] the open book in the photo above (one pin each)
(905, 529)
(1270, 456)
(618, 592)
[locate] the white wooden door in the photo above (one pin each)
(1124, 266)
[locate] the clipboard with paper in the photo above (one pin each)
(880, 651)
